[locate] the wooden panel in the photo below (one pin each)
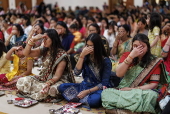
(39, 1)
(4, 4)
(28, 3)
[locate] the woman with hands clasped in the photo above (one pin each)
(141, 73)
(121, 44)
(95, 67)
(56, 69)
(22, 67)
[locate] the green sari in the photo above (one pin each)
(122, 48)
(135, 100)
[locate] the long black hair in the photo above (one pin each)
(27, 19)
(147, 58)
(56, 44)
(107, 22)
(20, 43)
(155, 20)
(61, 23)
(96, 26)
(41, 27)
(2, 48)
(99, 50)
(19, 28)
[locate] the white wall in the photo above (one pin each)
(138, 2)
(74, 3)
(12, 4)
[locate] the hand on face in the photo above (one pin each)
(39, 36)
(14, 32)
(17, 48)
(87, 50)
(137, 51)
(119, 35)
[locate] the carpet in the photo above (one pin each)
(100, 110)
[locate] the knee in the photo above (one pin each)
(61, 88)
(94, 101)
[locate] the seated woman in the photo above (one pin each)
(22, 67)
(95, 67)
(55, 71)
(121, 45)
(5, 64)
(166, 46)
(141, 72)
(65, 35)
(16, 35)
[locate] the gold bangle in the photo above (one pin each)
(126, 62)
(81, 57)
(130, 57)
(138, 87)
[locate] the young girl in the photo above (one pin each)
(154, 32)
(22, 67)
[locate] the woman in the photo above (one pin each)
(5, 64)
(65, 36)
(121, 44)
(53, 23)
(142, 74)
(22, 67)
(93, 28)
(55, 71)
(16, 35)
(166, 46)
(104, 25)
(26, 24)
(140, 28)
(37, 29)
(154, 34)
(96, 70)
(110, 33)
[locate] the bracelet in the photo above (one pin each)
(30, 44)
(130, 57)
(138, 87)
(126, 62)
(164, 51)
(81, 57)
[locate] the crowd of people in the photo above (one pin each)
(123, 55)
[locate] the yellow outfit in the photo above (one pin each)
(4, 65)
(156, 49)
(77, 37)
(19, 67)
(122, 48)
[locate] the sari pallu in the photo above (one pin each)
(136, 100)
(31, 86)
